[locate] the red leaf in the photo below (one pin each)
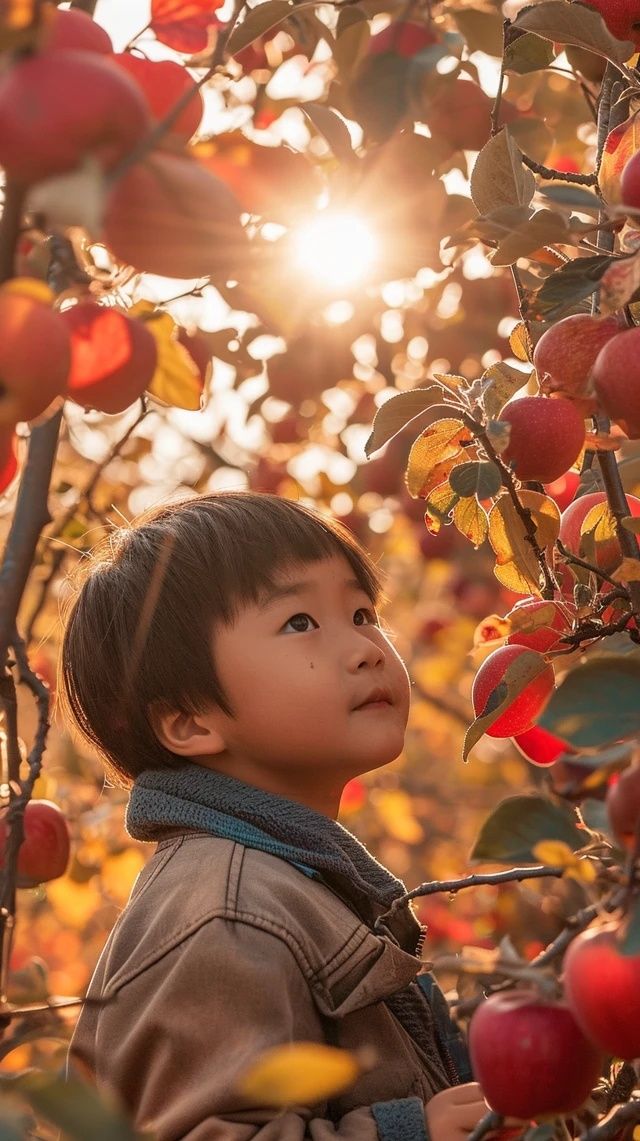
(184, 25)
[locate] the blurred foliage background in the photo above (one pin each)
(300, 365)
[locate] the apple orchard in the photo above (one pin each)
(386, 259)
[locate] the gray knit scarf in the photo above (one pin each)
(196, 798)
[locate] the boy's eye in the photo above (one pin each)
(301, 623)
(365, 617)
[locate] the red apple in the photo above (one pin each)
(541, 747)
(403, 37)
(563, 490)
(602, 988)
(34, 356)
(530, 1056)
(164, 83)
(608, 553)
(557, 617)
(59, 107)
(630, 182)
(622, 18)
(113, 357)
(616, 379)
(623, 806)
(168, 215)
(546, 439)
(523, 710)
(71, 29)
(565, 354)
(44, 852)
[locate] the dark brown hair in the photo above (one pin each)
(139, 623)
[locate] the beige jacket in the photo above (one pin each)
(221, 953)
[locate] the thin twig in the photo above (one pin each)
(573, 925)
(10, 223)
(546, 575)
(559, 175)
(487, 1124)
(475, 880)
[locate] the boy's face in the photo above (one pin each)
(319, 694)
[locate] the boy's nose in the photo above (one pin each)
(366, 654)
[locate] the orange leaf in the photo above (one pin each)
(184, 25)
(621, 143)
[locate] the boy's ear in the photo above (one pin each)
(187, 734)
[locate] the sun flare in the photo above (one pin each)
(337, 250)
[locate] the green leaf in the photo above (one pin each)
(540, 1133)
(545, 228)
(352, 36)
(499, 177)
(630, 942)
(519, 823)
(517, 676)
(597, 703)
(566, 286)
(399, 411)
(482, 480)
(73, 1106)
(333, 128)
(569, 194)
(527, 53)
(577, 24)
(257, 21)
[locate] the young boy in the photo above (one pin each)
(225, 657)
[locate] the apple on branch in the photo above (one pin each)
(602, 988)
(59, 107)
(521, 714)
(44, 852)
(547, 436)
(565, 355)
(530, 1056)
(608, 554)
(113, 357)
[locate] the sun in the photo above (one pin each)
(337, 250)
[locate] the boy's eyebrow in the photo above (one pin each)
(286, 590)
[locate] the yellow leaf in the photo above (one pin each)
(302, 1073)
(516, 564)
(520, 342)
(471, 520)
(396, 814)
(554, 853)
(628, 571)
(176, 380)
(440, 442)
(557, 853)
(30, 287)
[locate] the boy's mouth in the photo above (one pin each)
(377, 696)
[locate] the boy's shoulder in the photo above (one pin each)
(193, 879)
